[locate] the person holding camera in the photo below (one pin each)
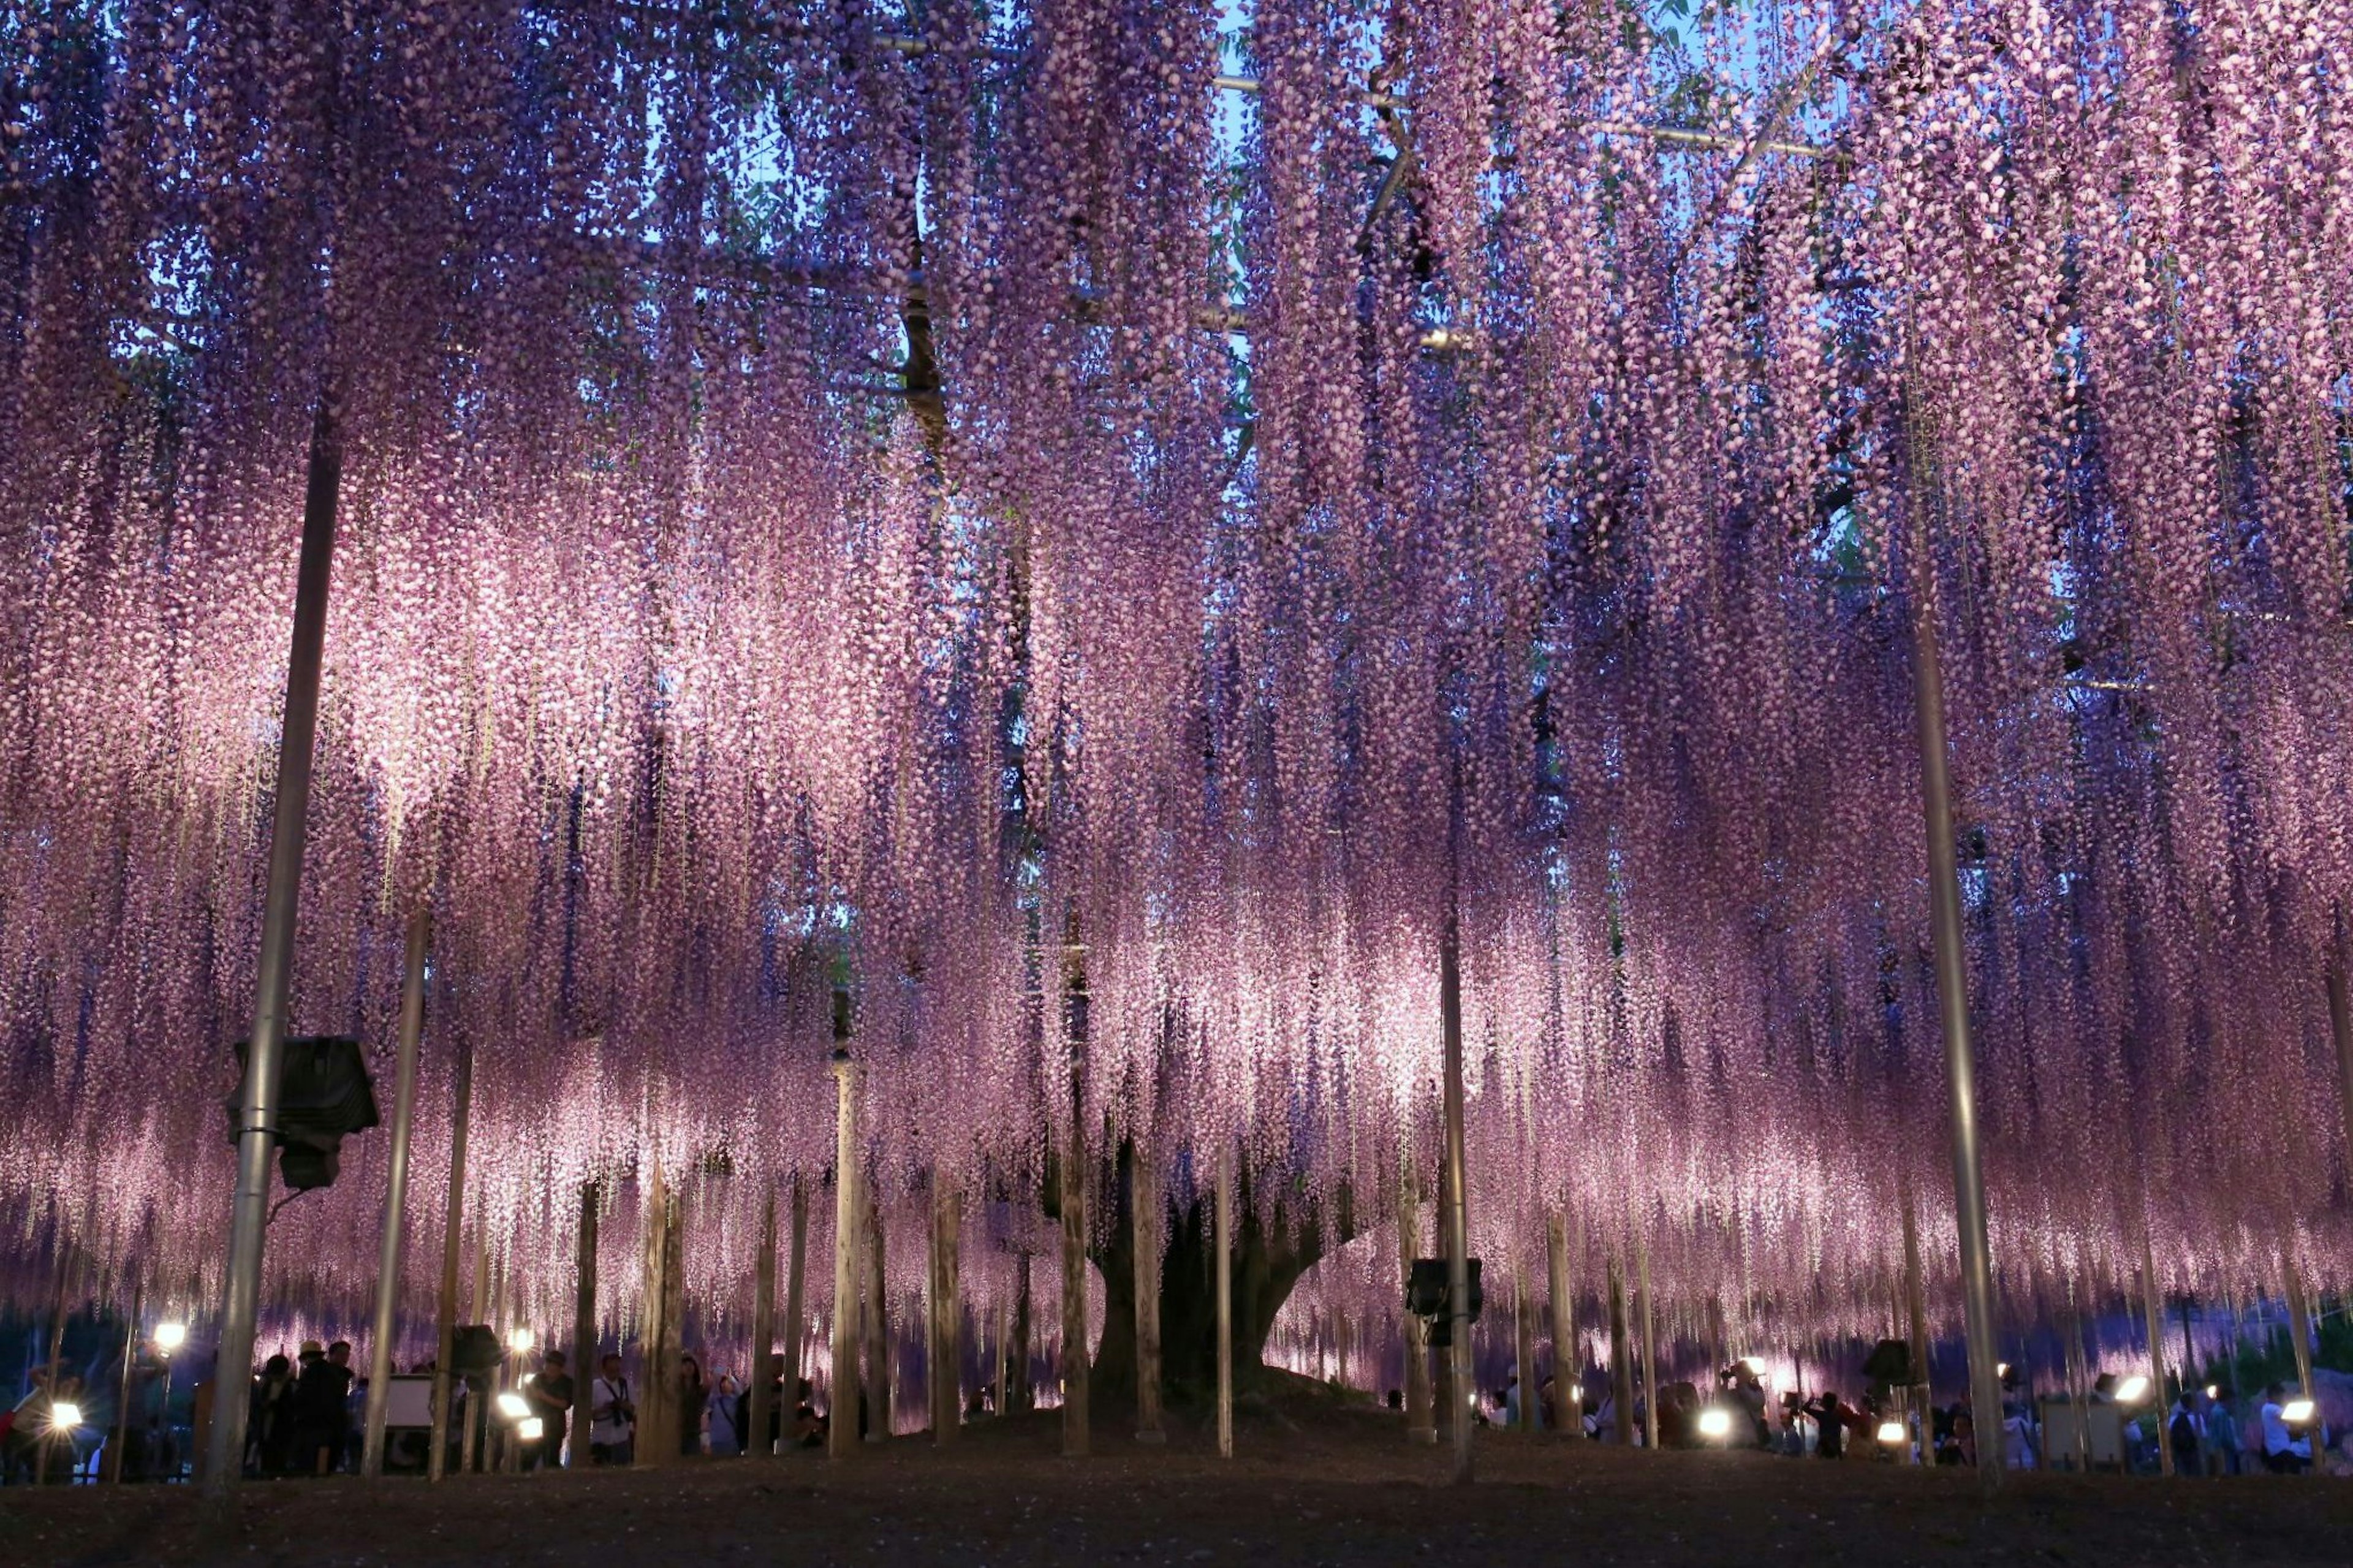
(612, 1416)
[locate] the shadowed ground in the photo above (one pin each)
(1309, 1487)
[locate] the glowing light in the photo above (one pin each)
(1716, 1421)
(531, 1429)
(64, 1415)
(514, 1406)
(170, 1337)
(2297, 1412)
(2132, 1390)
(519, 1341)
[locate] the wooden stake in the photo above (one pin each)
(796, 1334)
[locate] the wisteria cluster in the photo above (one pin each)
(951, 504)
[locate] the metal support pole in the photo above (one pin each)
(1952, 1005)
(436, 1461)
(257, 1119)
(1456, 1217)
(1420, 1419)
(1225, 1224)
(396, 1190)
(585, 1359)
(760, 1397)
(841, 1436)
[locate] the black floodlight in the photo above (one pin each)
(1425, 1290)
(323, 1093)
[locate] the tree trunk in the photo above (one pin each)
(1268, 1261)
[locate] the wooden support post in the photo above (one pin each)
(583, 1330)
(1144, 1217)
(1019, 1392)
(2152, 1301)
(120, 1441)
(1567, 1367)
(396, 1193)
(795, 1333)
(879, 1380)
(848, 1224)
(453, 1221)
(46, 1442)
(2299, 1325)
(1420, 1414)
(1523, 1344)
(1915, 1306)
(1003, 1353)
(1621, 1358)
(478, 1303)
(657, 1401)
(1225, 1271)
(760, 1393)
(1076, 1438)
(948, 1313)
(1650, 1347)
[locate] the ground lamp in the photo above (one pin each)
(1715, 1423)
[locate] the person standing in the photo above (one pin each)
(1830, 1425)
(270, 1419)
(321, 1408)
(724, 1401)
(694, 1395)
(2223, 1448)
(549, 1390)
(2283, 1453)
(612, 1417)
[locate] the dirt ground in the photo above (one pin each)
(1332, 1486)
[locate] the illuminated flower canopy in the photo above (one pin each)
(942, 499)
